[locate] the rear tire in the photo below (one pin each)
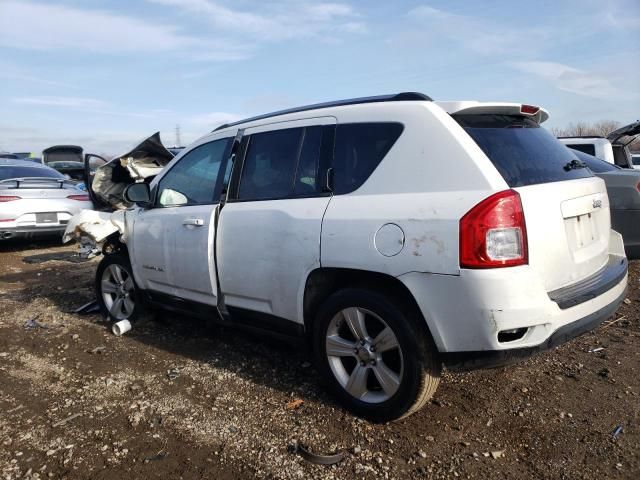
(116, 290)
(376, 359)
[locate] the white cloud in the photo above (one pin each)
(474, 33)
(56, 26)
(570, 79)
(73, 102)
(274, 20)
(213, 119)
(59, 27)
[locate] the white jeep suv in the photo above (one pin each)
(395, 234)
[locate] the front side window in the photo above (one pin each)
(192, 181)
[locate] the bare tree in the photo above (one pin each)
(600, 129)
(580, 129)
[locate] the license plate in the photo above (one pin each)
(46, 218)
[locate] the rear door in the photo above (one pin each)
(566, 207)
(269, 229)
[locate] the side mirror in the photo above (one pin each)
(139, 194)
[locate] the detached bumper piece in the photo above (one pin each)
(591, 287)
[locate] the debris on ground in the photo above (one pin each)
(304, 452)
(293, 404)
(68, 419)
(33, 323)
(88, 308)
(121, 327)
(617, 431)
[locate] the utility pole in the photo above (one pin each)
(178, 140)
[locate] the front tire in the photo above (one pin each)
(116, 290)
(376, 359)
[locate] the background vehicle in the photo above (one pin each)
(62, 153)
(635, 159)
(613, 149)
(337, 222)
(36, 199)
(74, 170)
(623, 188)
(8, 155)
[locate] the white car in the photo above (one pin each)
(395, 234)
(635, 159)
(36, 199)
(613, 149)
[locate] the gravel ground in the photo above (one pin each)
(178, 398)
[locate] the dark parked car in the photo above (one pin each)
(623, 189)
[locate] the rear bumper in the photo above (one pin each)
(502, 310)
(463, 361)
(29, 231)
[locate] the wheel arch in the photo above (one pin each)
(323, 282)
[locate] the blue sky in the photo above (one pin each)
(103, 74)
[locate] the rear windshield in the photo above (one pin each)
(24, 172)
(63, 156)
(522, 151)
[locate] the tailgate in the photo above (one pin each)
(568, 227)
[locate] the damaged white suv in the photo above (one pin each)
(395, 234)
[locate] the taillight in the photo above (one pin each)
(8, 198)
(493, 233)
(80, 198)
(638, 186)
(529, 109)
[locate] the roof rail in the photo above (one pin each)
(581, 136)
(396, 97)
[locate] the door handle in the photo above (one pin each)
(196, 222)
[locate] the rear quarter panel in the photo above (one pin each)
(430, 178)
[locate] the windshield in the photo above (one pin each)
(25, 172)
(522, 151)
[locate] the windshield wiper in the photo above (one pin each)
(574, 165)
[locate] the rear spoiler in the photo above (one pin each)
(536, 113)
(33, 180)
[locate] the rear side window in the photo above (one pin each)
(26, 172)
(281, 164)
(584, 147)
(270, 164)
(522, 151)
(359, 149)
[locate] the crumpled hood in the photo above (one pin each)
(143, 161)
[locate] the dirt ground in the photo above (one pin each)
(179, 398)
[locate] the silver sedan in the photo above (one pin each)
(36, 199)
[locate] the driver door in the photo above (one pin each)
(182, 222)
